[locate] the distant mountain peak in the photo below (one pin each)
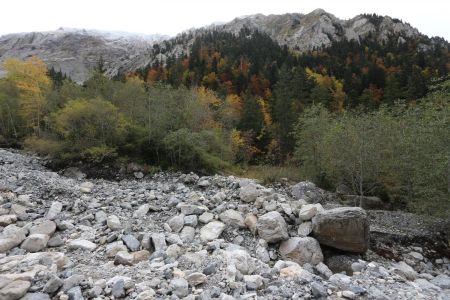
(318, 28)
(318, 11)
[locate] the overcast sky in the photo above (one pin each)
(173, 16)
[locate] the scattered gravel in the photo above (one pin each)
(181, 236)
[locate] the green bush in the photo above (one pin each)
(401, 151)
(191, 151)
(90, 129)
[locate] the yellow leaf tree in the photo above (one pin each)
(333, 85)
(30, 78)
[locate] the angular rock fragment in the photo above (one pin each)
(35, 242)
(54, 210)
(211, 231)
(301, 250)
(272, 228)
(113, 223)
(232, 218)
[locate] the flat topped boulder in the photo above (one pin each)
(45, 227)
(82, 244)
(344, 228)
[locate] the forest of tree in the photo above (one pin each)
(373, 116)
(347, 75)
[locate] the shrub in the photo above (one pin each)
(401, 151)
(193, 151)
(91, 129)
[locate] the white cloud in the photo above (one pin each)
(173, 16)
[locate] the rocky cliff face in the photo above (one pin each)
(77, 52)
(319, 28)
(175, 235)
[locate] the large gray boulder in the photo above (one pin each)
(344, 228)
(272, 228)
(301, 250)
(309, 192)
(403, 269)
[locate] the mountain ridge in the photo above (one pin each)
(76, 52)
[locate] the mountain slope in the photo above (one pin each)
(305, 32)
(76, 52)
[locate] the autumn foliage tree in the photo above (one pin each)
(31, 80)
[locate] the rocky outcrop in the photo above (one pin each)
(344, 228)
(180, 235)
(319, 28)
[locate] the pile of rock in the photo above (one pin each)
(181, 236)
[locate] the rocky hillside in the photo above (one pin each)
(179, 236)
(320, 28)
(303, 32)
(77, 52)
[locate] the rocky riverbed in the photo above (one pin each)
(181, 236)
